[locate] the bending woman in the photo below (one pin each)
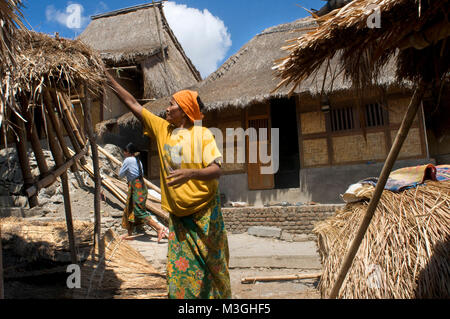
(198, 255)
(135, 212)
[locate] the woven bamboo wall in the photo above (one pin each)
(397, 109)
(312, 122)
(412, 145)
(315, 152)
(354, 148)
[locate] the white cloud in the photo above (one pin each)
(204, 37)
(71, 18)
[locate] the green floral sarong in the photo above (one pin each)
(135, 211)
(198, 255)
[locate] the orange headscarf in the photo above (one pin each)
(187, 100)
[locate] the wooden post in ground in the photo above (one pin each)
(66, 122)
(59, 160)
(21, 146)
(57, 127)
(393, 154)
(97, 178)
(2, 287)
(33, 137)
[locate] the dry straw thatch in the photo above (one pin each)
(120, 272)
(43, 240)
(364, 51)
(406, 250)
(10, 17)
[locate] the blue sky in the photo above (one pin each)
(210, 31)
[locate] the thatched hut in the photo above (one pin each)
(416, 32)
(322, 146)
(139, 44)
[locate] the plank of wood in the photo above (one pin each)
(251, 280)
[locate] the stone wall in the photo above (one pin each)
(293, 219)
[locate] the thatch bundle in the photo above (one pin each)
(364, 51)
(406, 250)
(119, 271)
(43, 240)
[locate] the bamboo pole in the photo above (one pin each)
(21, 146)
(33, 137)
(66, 99)
(57, 127)
(68, 115)
(116, 161)
(123, 197)
(66, 122)
(97, 178)
(2, 289)
(58, 157)
(390, 161)
(54, 174)
(250, 280)
(124, 187)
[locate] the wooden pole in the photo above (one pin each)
(21, 146)
(59, 160)
(69, 129)
(250, 280)
(97, 178)
(54, 174)
(68, 115)
(116, 161)
(66, 98)
(2, 289)
(390, 161)
(57, 127)
(33, 137)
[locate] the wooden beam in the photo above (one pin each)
(97, 178)
(21, 146)
(251, 280)
(33, 136)
(390, 161)
(59, 160)
(51, 177)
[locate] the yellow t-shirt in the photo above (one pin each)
(193, 148)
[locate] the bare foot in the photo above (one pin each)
(162, 233)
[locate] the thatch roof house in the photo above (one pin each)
(322, 147)
(140, 45)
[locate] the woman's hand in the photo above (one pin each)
(180, 176)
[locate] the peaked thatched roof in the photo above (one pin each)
(248, 77)
(417, 28)
(131, 35)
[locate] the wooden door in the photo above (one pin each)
(256, 180)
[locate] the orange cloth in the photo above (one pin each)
(187, 100)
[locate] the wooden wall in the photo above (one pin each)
(320, 146)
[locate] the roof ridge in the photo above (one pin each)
(127, 10)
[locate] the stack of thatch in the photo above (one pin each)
(117, 270)
(406, 250)
(43, 240)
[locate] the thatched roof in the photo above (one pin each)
(247, 76)
(417, 28)
(131, 35)
(43, 59)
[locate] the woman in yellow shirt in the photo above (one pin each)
(198, 255)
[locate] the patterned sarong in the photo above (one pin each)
(198, 255)
(135, 211)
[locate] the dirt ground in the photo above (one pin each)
(82, 203)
